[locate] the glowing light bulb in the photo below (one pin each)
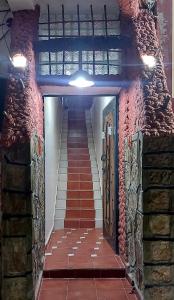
(19, 61)
(149, 60)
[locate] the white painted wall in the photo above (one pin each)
(97, 108)
(53, 127)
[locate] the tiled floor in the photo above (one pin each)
(86, 289)
(79, 249)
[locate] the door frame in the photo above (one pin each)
(106, 110)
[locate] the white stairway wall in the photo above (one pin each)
(99, 103)
(53, 128)
(62, 177)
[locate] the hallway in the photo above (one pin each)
(79, 261)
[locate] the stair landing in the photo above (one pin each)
(81, 252)
(80, 264)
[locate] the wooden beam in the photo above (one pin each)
(85, 43)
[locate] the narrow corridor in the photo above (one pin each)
(79, 261)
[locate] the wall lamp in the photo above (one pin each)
(149, 60)
(19, 61)
(81, 79)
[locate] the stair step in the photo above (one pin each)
(79, 163)
(77, 139)
(78, 151)
(80, 203)
(85, 273)
(77, 145)
(79, 223)
(79, 177)
(80, 195)
(83, 157)
(80, 213)
(77, 185)
(76, 170)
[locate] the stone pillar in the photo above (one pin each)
(149, 182)
(158, 220)
(23, 219)
(23, 169)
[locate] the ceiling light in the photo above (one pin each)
(19, 61)
(81, 79)
(149, 60)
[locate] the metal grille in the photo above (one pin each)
(54, 26)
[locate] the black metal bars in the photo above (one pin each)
(85, 43)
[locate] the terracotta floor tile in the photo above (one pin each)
(131, 296)
(52, 294)
(82, 294)
(85, 240)
(111, 295)
(107, 284)
(78, 170)
(126, 283)
(54, 284)
(73, 185)
(81, 283)
(73, 203)
(92, 289)
(85, 177)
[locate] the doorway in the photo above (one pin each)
(104, 111)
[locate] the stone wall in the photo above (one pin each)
(145, 119)
(149, 188)
(23, 168)
(23, 113)
(134, 212)
(38, 208)
(146, 105)
(23, 219)
(158, 211)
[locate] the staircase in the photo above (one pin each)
(79, 203)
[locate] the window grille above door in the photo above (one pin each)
(90, 42)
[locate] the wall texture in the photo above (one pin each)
(53, 127)
(23, 106)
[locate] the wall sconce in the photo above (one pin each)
(19, 61)
(149, 60)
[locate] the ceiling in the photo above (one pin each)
(70, 5)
